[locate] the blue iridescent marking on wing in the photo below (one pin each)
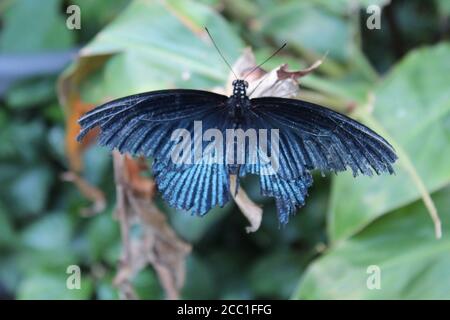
(196, 188)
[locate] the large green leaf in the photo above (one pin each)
(412, 110)
(34, 26)
(412, 263)
(298, 23)
(288, 266)
(157, 45)
(317, 27)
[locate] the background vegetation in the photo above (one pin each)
(395, 79)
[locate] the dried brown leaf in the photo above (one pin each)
(279, 82)
(74, 149)
(158, 245)
(140, 185)
(251, 210)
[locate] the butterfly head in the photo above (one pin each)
(240, 88)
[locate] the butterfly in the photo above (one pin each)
(306, 137)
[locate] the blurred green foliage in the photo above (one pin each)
(347, 224)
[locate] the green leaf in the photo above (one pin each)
(48, 286)
(413, 264)
(30, 191)
(31, 93)
(34, 26)
(193, 228)
(56, 143)
(105, 289)
(276, 274)
(343, 6)
(412, 110)
(199, 279)
(96, 13)
(48, 233)
(226, 269)
(443, 7)
(298, 23)
(147, 285)
(47, 244)
(99, 160)
(158, 45)
(9, 274)
(102, 235)
(7, 233)
(17, 134)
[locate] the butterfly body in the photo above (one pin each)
(299, 137)
(238, 102)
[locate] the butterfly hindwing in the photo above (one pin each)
(289, 194)
(196, 188)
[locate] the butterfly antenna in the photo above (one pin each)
(259, 65)
(218, 50)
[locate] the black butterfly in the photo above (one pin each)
(311, 137)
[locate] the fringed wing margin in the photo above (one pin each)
(142, 124)
(317, 138)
